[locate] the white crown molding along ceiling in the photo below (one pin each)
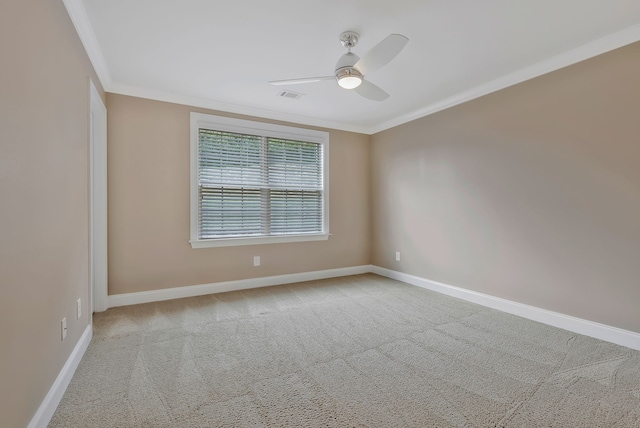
(331, 107)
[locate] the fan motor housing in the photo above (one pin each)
(347, 71)
(347, 60)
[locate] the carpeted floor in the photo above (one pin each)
(359, 351)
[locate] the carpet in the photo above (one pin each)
(356, 351)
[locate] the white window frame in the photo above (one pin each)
(227, 124)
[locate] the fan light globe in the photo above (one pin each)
(349, 81)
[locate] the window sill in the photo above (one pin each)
(234, 242)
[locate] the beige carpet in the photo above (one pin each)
(359, 351)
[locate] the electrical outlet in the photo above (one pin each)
(79, 308)
(256, 260)
(63, 326)
(397, 256)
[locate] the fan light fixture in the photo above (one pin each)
(349, 82)
(349, 78)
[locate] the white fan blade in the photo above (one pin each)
(304, 80)
(371, 91)
(381, 53)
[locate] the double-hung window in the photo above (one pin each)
(256, 183)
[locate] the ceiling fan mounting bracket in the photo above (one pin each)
(349, 39)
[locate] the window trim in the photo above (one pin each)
(227, 124)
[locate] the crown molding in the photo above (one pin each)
(80, 20)
(136, 91)
(597, 47)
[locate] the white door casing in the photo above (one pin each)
(98, 200)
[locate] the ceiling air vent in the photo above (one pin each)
(290, 94)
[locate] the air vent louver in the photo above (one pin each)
(290, 94)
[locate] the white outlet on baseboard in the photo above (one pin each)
(397, 256)
(63, 326)
(79, 308)
(256, 260)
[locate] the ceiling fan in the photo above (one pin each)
(351, 69)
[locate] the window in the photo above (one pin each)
(256, 183)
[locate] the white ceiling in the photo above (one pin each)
(221, 54)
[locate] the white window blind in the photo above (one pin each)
(258, 186)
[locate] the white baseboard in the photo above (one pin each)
(50, 403)
(577, 325)
(221, 287)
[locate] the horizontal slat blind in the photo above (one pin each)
(230, 212)
(258, 186)
(295, 211)
(294, 164)
(229, 159)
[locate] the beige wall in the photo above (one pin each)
(149, 246)
(531, 194)
(44, 213)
